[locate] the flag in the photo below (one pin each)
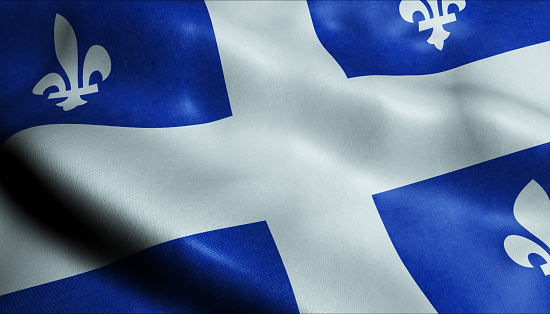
(274, 156)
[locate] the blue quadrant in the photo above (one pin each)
(450, 230)
(165, 68)
(236, 269)
(372, 38)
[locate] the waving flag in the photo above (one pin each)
(275, 156)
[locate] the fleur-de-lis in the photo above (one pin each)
(532, 211)
(97, 59)
(407, 8)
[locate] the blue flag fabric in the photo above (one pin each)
(465, 238)
(236, 269)
(403, 37)
(131, 64)
(308, 154)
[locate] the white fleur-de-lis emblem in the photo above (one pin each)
(532, 211)
(436, 21)
(97, 59)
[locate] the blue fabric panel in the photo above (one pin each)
(371, 37)
(165, 65)
(236, 269)
(450, 230)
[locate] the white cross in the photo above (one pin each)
(305, 150)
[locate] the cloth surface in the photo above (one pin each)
(304, 150)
